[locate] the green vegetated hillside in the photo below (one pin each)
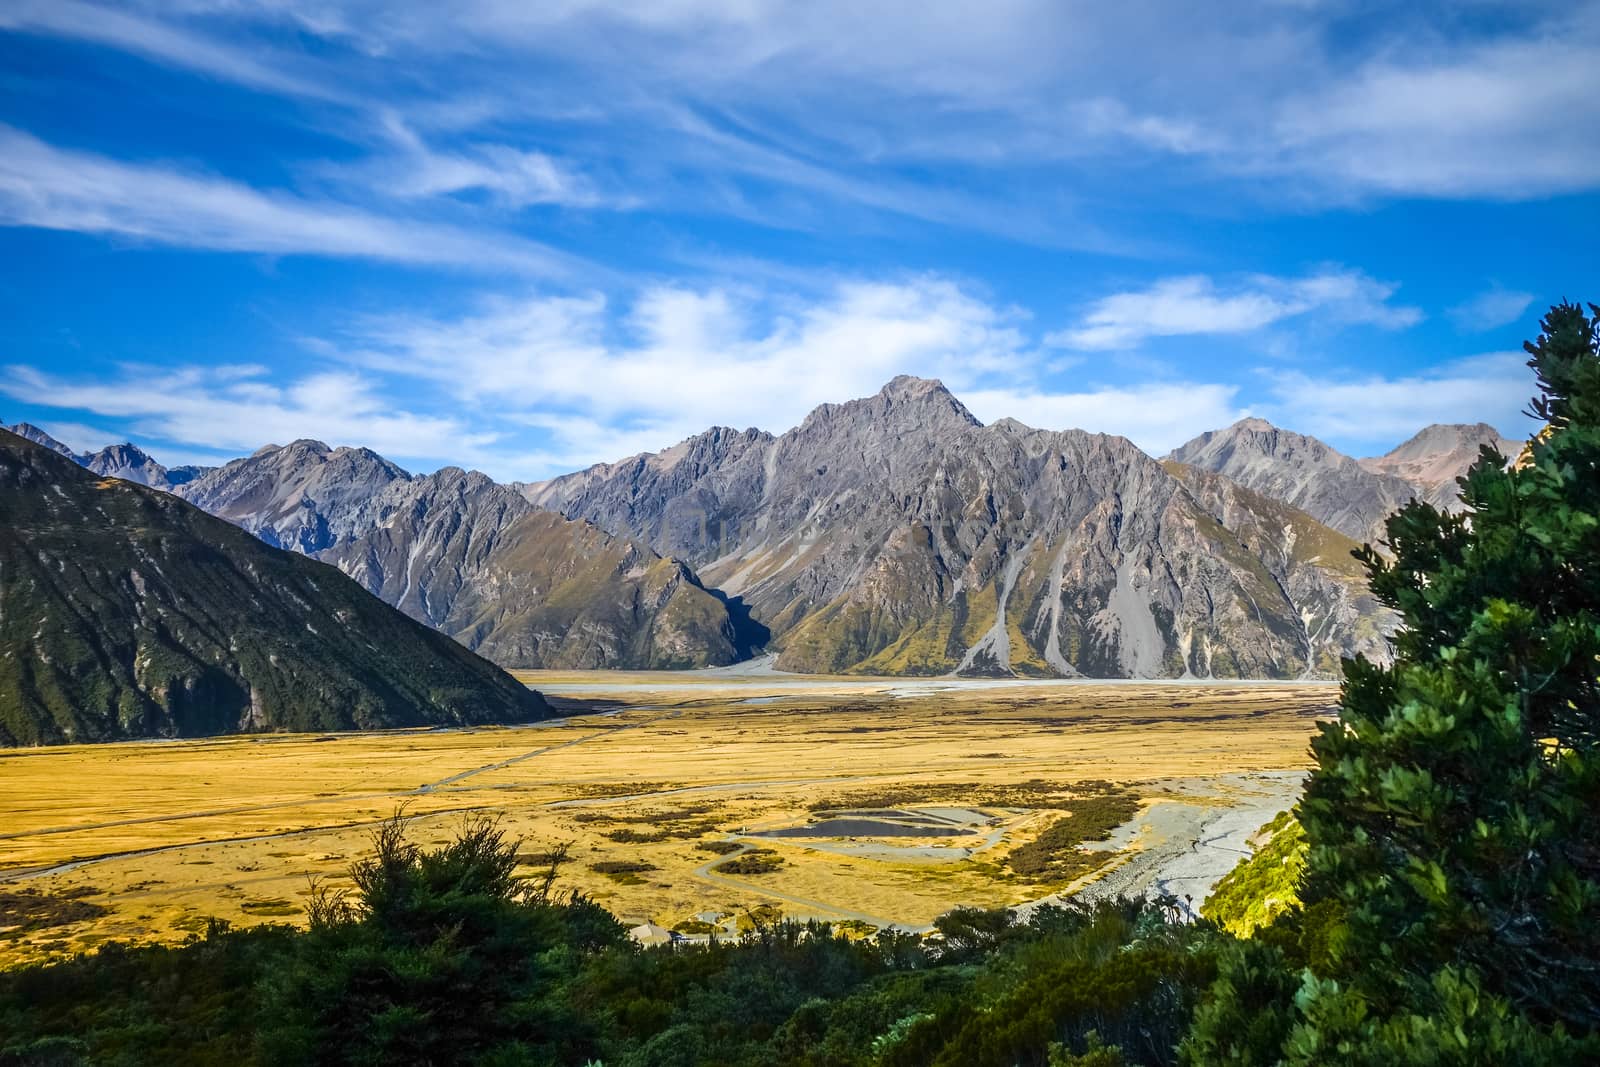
(126, 612)
(1263, 886)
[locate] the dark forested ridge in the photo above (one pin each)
(126, 612)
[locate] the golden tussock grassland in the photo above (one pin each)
(654, 783)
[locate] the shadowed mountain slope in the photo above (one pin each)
(127, 612)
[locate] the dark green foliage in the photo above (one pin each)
(621, 866)
(1120, 973)
(135, 614)
(444, 956)
(143, 1005)
(1453, 875)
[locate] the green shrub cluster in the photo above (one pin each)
(1451, 892)
(1054, 855)
(756, 861)
(1263, 886)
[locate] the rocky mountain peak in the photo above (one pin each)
(1437, 455)
(1254, 425)
(1302, 471)
(906, 403)
(1445, 437)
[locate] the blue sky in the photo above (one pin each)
(527, 237)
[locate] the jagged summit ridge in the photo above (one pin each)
(476, 559)
(892, 533)
(126, 461)
(897, 534)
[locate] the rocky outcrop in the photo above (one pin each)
(126, 461)
(127, 612)
(527, 587)
(131, 463)
(29, 432)
(303, 496)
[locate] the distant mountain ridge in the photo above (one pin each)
(890, 534)
(1303, 471)
(1438, 455)
(462, 553)
(126, 461)
(128, 612)
(1352, 496)
(897, 534)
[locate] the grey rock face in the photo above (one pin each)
(1302, 471)
(302, 496)
(1438, 455)
(897, 534)
(126, 461)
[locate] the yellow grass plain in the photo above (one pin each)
(166, 834)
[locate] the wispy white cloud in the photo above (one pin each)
(510, 177)
(163, 42)
(1492, 307)
(678, 360)
(538, 385)
(1381, 410)
(61, 189)
(1510, 116)
(238, 412)
(1008, 121)
(1413, 104)
(1195, 304)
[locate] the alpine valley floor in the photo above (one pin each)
(896, 800)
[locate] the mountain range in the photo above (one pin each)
(895, 534)
(126, 461)
(127, 612)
